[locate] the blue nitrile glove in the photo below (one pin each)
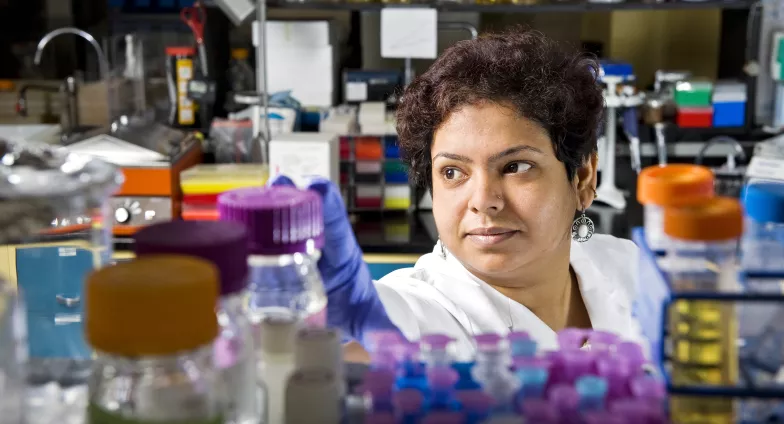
(353, 304)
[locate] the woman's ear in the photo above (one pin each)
(585, 179)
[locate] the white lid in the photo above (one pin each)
(313, 397)
(319, 348)
(278, 333)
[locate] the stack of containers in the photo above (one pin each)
(763, 243)
(660, 187)
(202, 184)
(695, 108)
(729, 104)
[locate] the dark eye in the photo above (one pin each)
(517, 167)
(452, 174)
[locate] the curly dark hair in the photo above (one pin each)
(520, 68)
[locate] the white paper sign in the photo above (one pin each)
(356, 91)
(409, 33)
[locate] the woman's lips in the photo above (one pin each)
(490, 238)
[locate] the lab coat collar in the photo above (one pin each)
(607, 305)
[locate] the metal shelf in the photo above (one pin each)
(559, 6)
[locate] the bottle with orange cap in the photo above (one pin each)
(152, 323)
(659, 187)
(702, 257)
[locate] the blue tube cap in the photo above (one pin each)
(764, 202)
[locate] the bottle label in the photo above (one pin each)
(96, 415)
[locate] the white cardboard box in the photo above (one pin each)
(298, 155)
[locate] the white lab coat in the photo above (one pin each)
(439, 295)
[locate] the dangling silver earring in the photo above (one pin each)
(443, 251)
(582, 228)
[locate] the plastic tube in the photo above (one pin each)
(592, 391)
(442, 394)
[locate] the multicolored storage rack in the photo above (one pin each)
(372, 175)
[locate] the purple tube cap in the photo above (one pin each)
(603, 417)
(409, 401)
(531, 362)
(613, 366)
(380, 418)
(475, 401)
(631, 351)
(539, 411)
(443, 417)
(564, 397)
(280, 220)
(442, 377)
(635, 408)
(648, 387)
(225, 244)
(518, 335)
(383, 340)
(572, 338)
(435, 341)
(488, 340)
(603, 340)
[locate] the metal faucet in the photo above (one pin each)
(71, 106)
(103, 63)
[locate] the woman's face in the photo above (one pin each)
(501, 199)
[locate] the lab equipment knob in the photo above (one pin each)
(122, 215)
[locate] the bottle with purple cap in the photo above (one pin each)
(409, 404)
(566, 400)
(225, 245)
(492, 370)
(592, 391)
(285, 234)
(476, 405)
(616, 370)
(435, 350)
(575, 364)
(533, 374)
(539, 411)
(441, 396)
(378, 390)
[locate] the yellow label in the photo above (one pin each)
(186, 113)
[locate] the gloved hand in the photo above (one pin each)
(353, 303)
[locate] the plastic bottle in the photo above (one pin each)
(634, 354)
(409, 405)
(378, 390)
(572, 338)
(155, 361)
(492, 371)
(241, 75)
(225, 245)
(702, 258)
(320, 348)
(603, 341)
(476, 405)
(592, 391)
(616, 370)
(521, 344)
(533, 374)
(650, 390)
(444, 417)
(575, 364)
(436, 350)
(659, 187)
(286, 230)
(411, 369)
(603, 417)
(566, 401)
(540, 411)
(636, 410)
(312, 397)
(277, 362)
(763, 242)
(442, 393)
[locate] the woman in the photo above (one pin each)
(502, 130)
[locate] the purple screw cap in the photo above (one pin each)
(602, 417)
(603, 340)
(409, 401)
(576, 363)
(280, 220)
(225, 244)
(648, 388)
(435, 341)
(539, 411)
(380, 418)
(488, 340)
(564, 397)
(572, 338)
(475, 401)
(518, 335)
(442, 378)
(633, 352)
(383, 341)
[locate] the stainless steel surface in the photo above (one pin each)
(459, 26)
(103, 62)
(408, 75)
(71, 89)
(661, 142)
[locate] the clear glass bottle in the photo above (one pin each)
(225, 245)
(670, 185)
(153, 325)
(762, 245)
(492, 371)
(286, 232)
(702, 257)
(55, 220)
(13, 354)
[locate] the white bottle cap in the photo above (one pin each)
(320, 348)
(312, 397)
(278, 333)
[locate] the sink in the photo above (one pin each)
(41, 133)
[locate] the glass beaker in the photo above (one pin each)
(55, 228)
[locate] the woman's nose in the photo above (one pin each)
(487, 198)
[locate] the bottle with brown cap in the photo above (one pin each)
(659, 187)
(152, 323)
(702, 257)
